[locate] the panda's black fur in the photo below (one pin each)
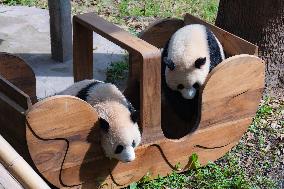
(83, 93)
(214, 50)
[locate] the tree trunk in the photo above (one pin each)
(260, 22)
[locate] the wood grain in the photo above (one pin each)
(232, 44)
(59, 121)
(235, 95)
(17, 71)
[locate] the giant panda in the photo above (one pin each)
(119, 130)
(187, 58)
(190, 54)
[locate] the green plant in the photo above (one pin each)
(117, 71)
(210, 176)
(206, 9)
(30, 3)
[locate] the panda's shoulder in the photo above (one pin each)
(86, 86)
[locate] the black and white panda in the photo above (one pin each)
(120, 134)
(190, 54)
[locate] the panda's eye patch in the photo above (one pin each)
(196, 86)
(134, 116)
(169, 63)
(118, 149)
(180, 86)
(200, 62)
(104, 125)
(133, 144)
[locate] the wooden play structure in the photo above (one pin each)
(59, 136)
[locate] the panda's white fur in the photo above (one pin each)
(113, 110)
(186, 46)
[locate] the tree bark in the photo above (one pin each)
(260, 22)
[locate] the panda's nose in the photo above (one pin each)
(188, 93)
(128, 154)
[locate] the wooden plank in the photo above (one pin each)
(12, 124)
(233, 45)
(7, 180)
(14, 93)
(82, 52)
(150, 99)
(17, 71)
(234, 88)
(159, 32)
(60, 29)
(114, 33)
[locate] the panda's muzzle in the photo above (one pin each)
(127, 155)
(188, 93)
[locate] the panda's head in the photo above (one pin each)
(187, 60)
(120, 134)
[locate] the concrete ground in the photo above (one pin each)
(25, 31)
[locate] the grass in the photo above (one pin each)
(117, 71)
(208, 177)
(30, 3)
(135, 15)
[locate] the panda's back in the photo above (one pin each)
(102, 92)
(95, 92)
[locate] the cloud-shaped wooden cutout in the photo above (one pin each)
(57, 136)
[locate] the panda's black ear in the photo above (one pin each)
(134, 116)
(200, 62)
(169, 63)
(104, 125)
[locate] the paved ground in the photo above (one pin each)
(25, 31)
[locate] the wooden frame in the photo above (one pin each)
(63, 140)
(145, 68)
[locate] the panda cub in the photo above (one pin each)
(188, 57)
(120, 134)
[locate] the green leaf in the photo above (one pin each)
(133, 186)
(194, 161)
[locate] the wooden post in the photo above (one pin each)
(60, 29)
